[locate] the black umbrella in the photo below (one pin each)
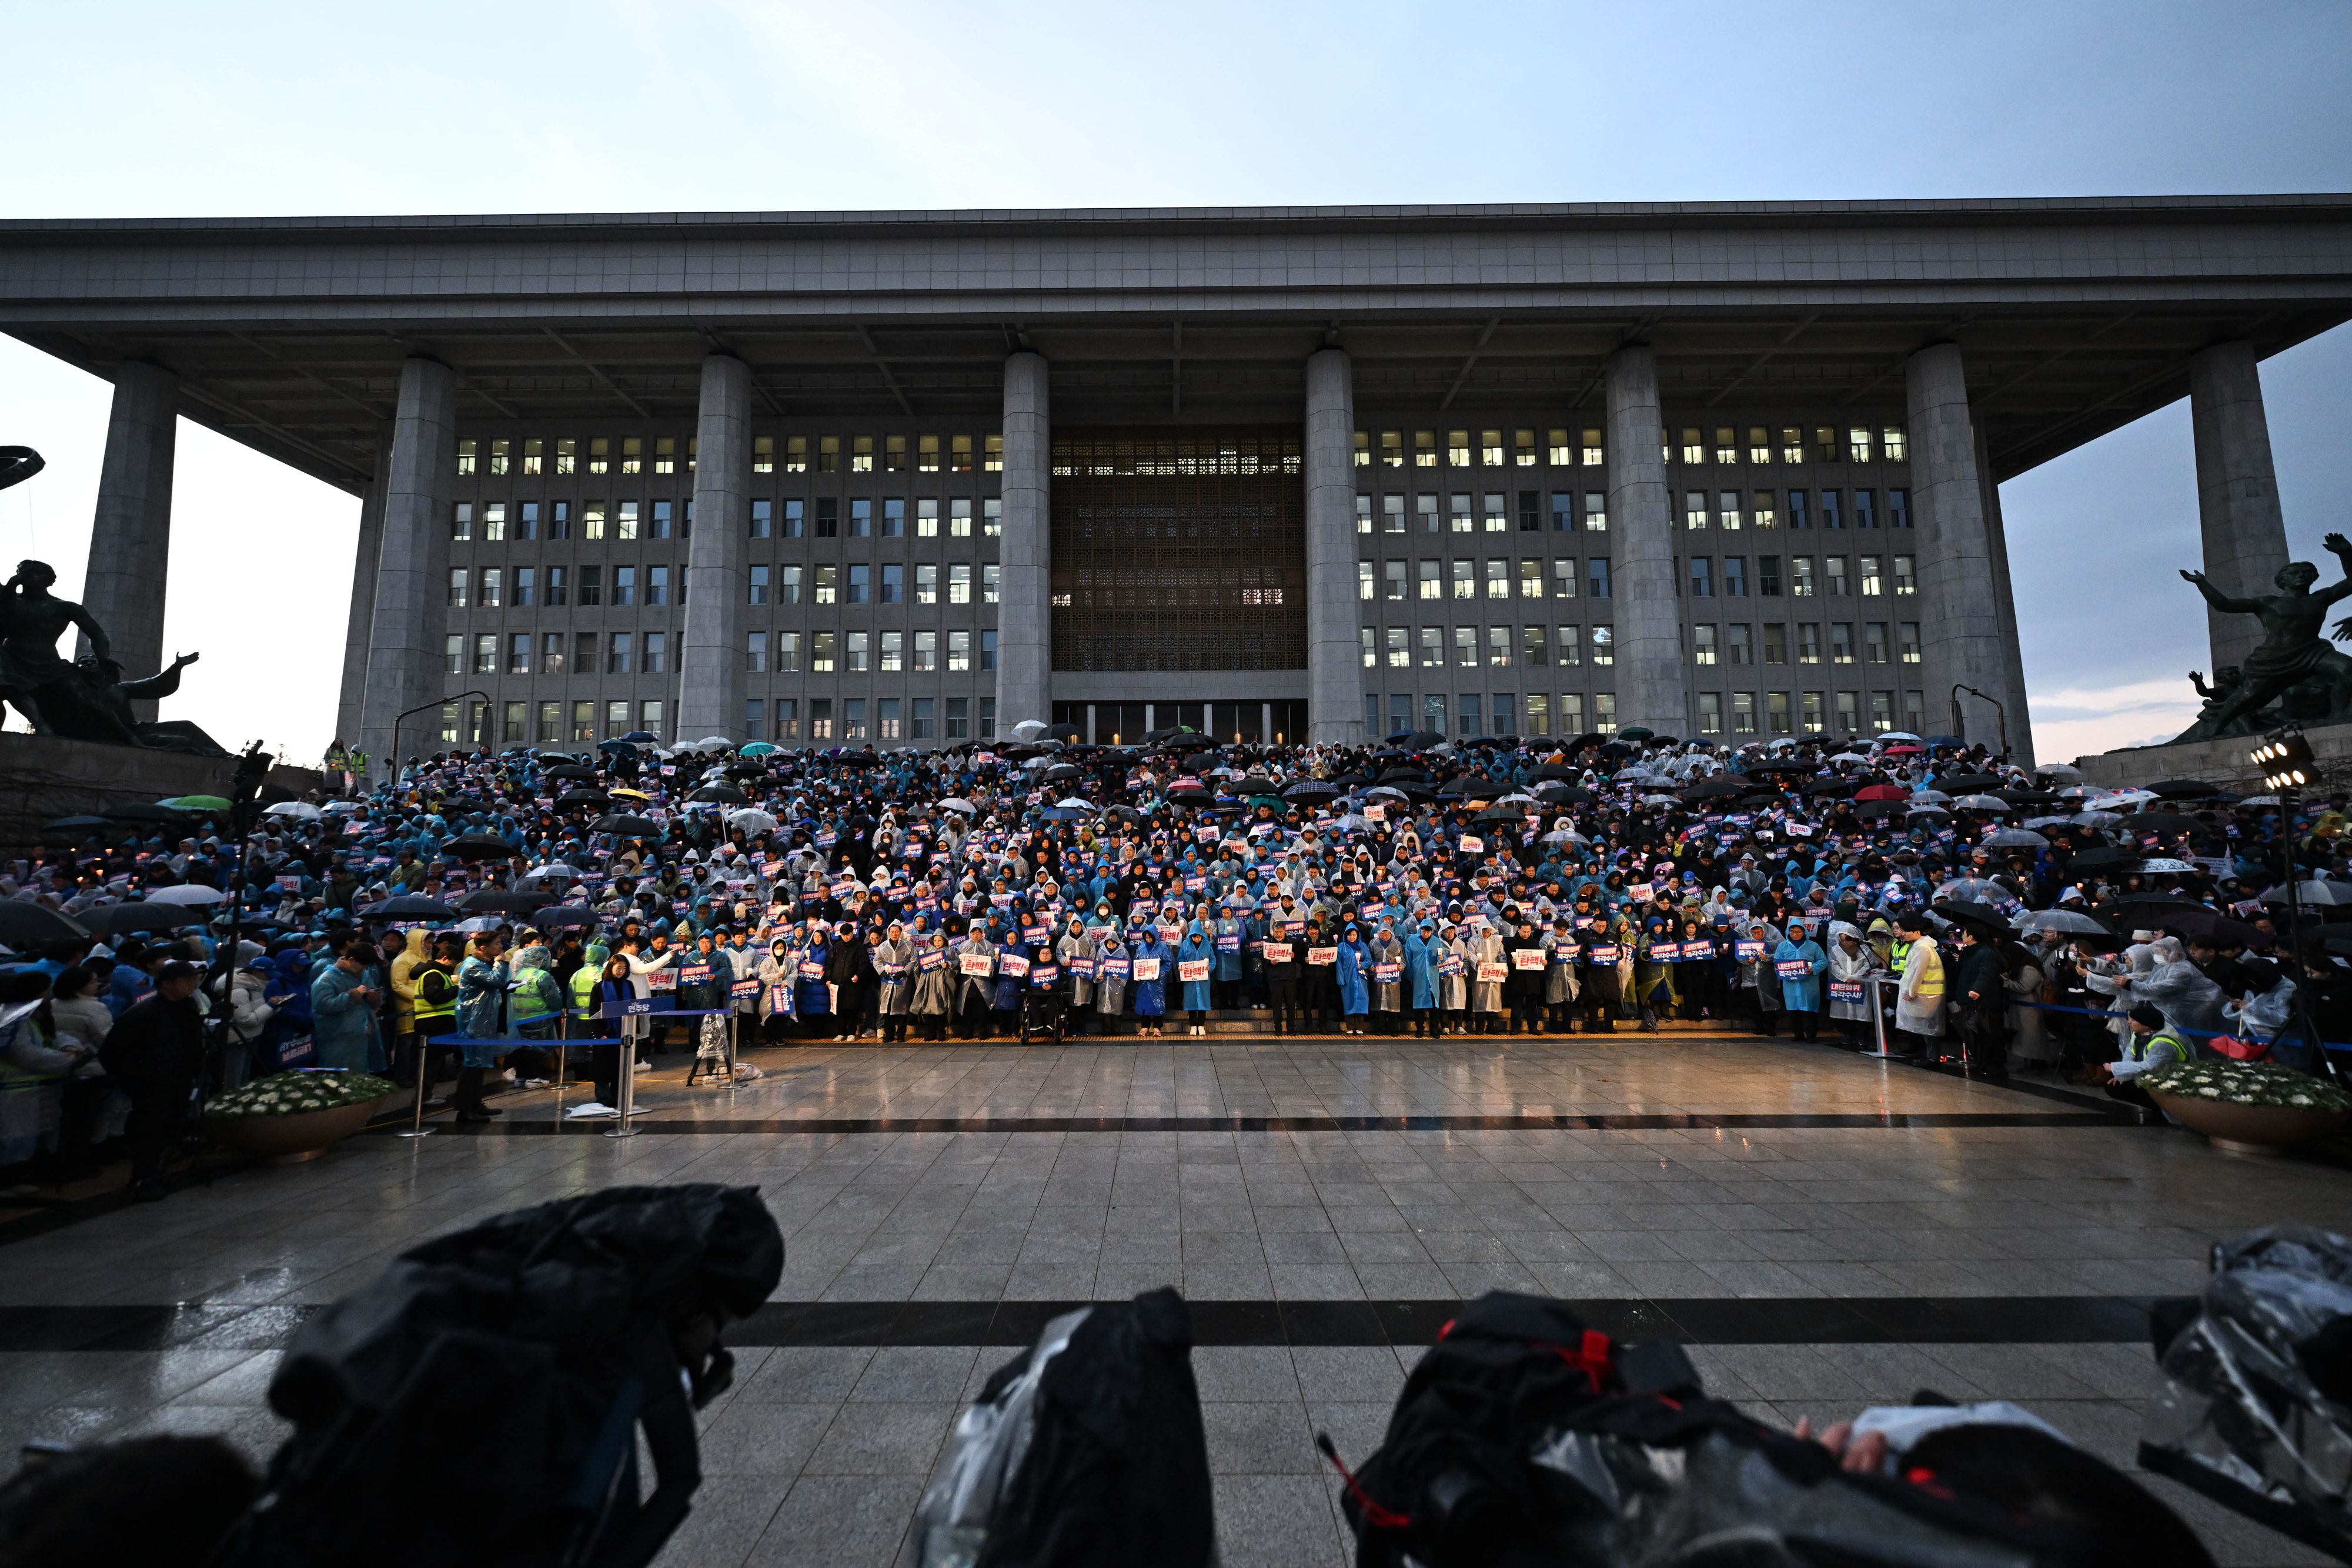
(720, 794)
(563, 915)
(2092, 860)
(1482, 789)
(1423, 739)
(1065, 732)
(1826, 788)
(583, 797)
(2208, 922)
(1311, 789)
(2160, 822)
(569, 770)
(624, 824)
(73, 824)
(636, 734)
(1064, 770)
(1255, 784)
(114, 919)
(479, 847)
(147, 811)
(23, 924)
(490, 901)
(408, 906)
(1499, 814)
(1391, 775)
(2182, 789)
(1560, 794)
(1711, 788)
(1969, 783)
(1557, 770)
(1961, 911)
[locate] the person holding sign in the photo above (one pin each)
(1196, 962)
(1354, 973)
(1388, 979)
(975, 965)
(934, 993)
(1596, 965)
(1454, 966)
(778, 974)
(812, 997)
(1798, 961)
(1285, 973)
(1524, 990)
(1489, 969)
(1321, 982)
(1853, 1000)
(1113, 963)
(894, 966)
(1148, 966)
(1757, 977)
(1420, 981)
(1559, 976)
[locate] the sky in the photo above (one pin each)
(139, 111)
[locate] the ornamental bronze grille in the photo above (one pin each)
(1178, 553)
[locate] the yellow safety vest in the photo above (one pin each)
(428, 1012)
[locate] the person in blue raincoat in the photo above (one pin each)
(482, 982)
(1355, 980)
(1231, 935)
(812, 1000)
(1421, 951)
(1152, 995)
(1800, 992)
(1198, 994)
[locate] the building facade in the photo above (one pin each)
(1727, 471)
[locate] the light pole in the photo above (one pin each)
(2287, 764)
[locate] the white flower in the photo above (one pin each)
(2211, 1093)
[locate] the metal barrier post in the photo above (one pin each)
(417, 1129)
(1878, 1018)
(628, 1083)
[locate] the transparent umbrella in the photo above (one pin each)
(2069, 921)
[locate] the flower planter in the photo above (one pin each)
(281, 1117)
(2248, 1129)
(303, 1136)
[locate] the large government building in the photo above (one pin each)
(1722, 469)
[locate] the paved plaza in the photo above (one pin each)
(1825, 1230)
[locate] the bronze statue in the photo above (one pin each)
(2292, 661)
(31, 622)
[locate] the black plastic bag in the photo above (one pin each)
(1086, 1450)
(481, 1402)
(2255, 1409)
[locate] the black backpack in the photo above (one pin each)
(480, 1403)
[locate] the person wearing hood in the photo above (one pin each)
(1487, 994)
(1757, 976)
(1559, 976)
(1420, 979)
(811, 990)
(400, 975)
(1798, 961)
(1354, 978)
(1524, 987)
(1599, 987)
(894, 963)
(1112, 961)
(342, 1004)
(1074, 951)
(482, 981)
(1852, 962)
(248, 986)
(779, 977)
(976, 986)
(933, 997)
(1199, 994)
(1152, 966)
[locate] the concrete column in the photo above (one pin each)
(411, 579)
(131, 530)
(710, 649)
(1335, 682)
(2237, 491)
(1959, 597)
(1650, 689)
(362, 620)
(2012, 658)
(1025, 631)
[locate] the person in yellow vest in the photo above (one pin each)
(433, 1005)
(583, 983)
(1919, 1000)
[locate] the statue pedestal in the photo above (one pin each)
(2221, 762)
(43, 778)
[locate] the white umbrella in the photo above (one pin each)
(955, 803)
(1074, 804)
(1849, 756)
(2165, 864)
(714, 743)
(2130, 798)
(751, 818)
(2059, 770)
(2045, 821)
(2066, 920)
(2258, 800)
(1930, 798)
(1899, 735)
(1984, 803)
(1030, 729)
(295, 809)
(187, 893)
(2095, 819)
(553, 868)
(2016, 838)
(2312, 893)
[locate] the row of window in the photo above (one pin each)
(501, 456)
(1732, 643)
(648, 652)
(1393, 580)
(1570, 511)
(888, 582)
(1565, 713)
(1869, 577)
(575, 722)
(1499, 647)
(1585, 448)
(498, 522)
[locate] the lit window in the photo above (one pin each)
(1710, 713)
(1841, 642)
(1604, 646)
(493, 588)
(1392, 580)
(467, 458)
(959, 651)
(1694, 510)
(1592, 449)
(1873, 583)
(1907, 575)
(1727, 510)
(1498, 519)
(1365, 580)
(959, 583)
(1563, 577)
(1523, 448)
(1431, 580)
(1363, 513)
(1498, 580)
(861, 455)
(1726, 446)
(1368, 647)
(633, 455)
(1760, 511)
(1457, 449)
(1466, 584)
(1792, 443)
(452, 654)
(1531, 580)
(1392, 514)
(894, 653)
(461, 521)
(1759, 445)
(1391, 449)
(1857, 444)
(927, 651)
(1893, 446)
(1694, 449)
(822, 652)
(1424, 449)
(1465, 647)
(1499, 645)
(1433, 647)
(1490, 449)
(1910, 642)
(1400, 649)
(1535, 646)
(988, 581)
(788, 653)
(828, 585)
(1809, 643)
(763, 455)
(1363, 449)
(456, 588)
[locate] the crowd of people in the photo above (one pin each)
(1961, 909)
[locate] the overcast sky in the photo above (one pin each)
(131, 110)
